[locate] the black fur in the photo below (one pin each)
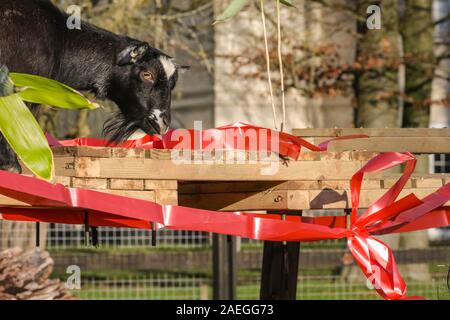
(34, 39)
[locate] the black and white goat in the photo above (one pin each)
(34, 39)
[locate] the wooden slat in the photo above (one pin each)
(127, 153)
(168, 170)
(223, 156)
(372, 132)
(64, 167)
(65, 181)
(127, 184)
(9, 202)
(288, 199)
(161, 184)
(237, 201)
(169, 197)
(237, 187)
(403, 144)
(143, 195)
(82, 151)
(416, 181)
(90, 183)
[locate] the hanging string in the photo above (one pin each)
(269, 77)
(280, 61)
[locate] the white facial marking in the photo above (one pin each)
(138, 134)
(168, 65)
(156, 115)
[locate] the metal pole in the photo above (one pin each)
(86, 228)
(38, 234)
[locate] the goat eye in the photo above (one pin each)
(147, 76)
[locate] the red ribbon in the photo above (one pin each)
(237, 136)
(57, 204)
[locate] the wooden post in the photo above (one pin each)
(224, 267)
(153, 234)
(280, 268)
(232, 277)
(86, 228)
(38, 234)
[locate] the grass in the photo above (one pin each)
(125, 250)
(308, 290)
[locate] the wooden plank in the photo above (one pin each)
(372, 132)
(168, 170)
(82, 151)
(65, 181)
(157, 154)
(161, 184)
(128, 153)
(90, 183)
(288, 199)
(64, 166)
(10, 202)
(143, 195)
(429, 182)
(237, 187)
(341, 199)
(237, 201)
(126, 184)
(403, 144)
(169, 197)
(389, 182)
(421, 181)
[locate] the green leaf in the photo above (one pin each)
(25, 136)
(41, 90)
(287, 3)
(233, 9)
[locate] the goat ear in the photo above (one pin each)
(182, 69)
(132, 54)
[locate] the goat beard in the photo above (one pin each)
(119, 129)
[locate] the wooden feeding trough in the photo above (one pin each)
(237, 181)
(414, 140)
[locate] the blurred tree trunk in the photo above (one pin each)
(440, 112)
(403, 33)
(416, 33)
(376, 106)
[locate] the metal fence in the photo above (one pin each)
(173, 287)
(126, 266)
(70, 236)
